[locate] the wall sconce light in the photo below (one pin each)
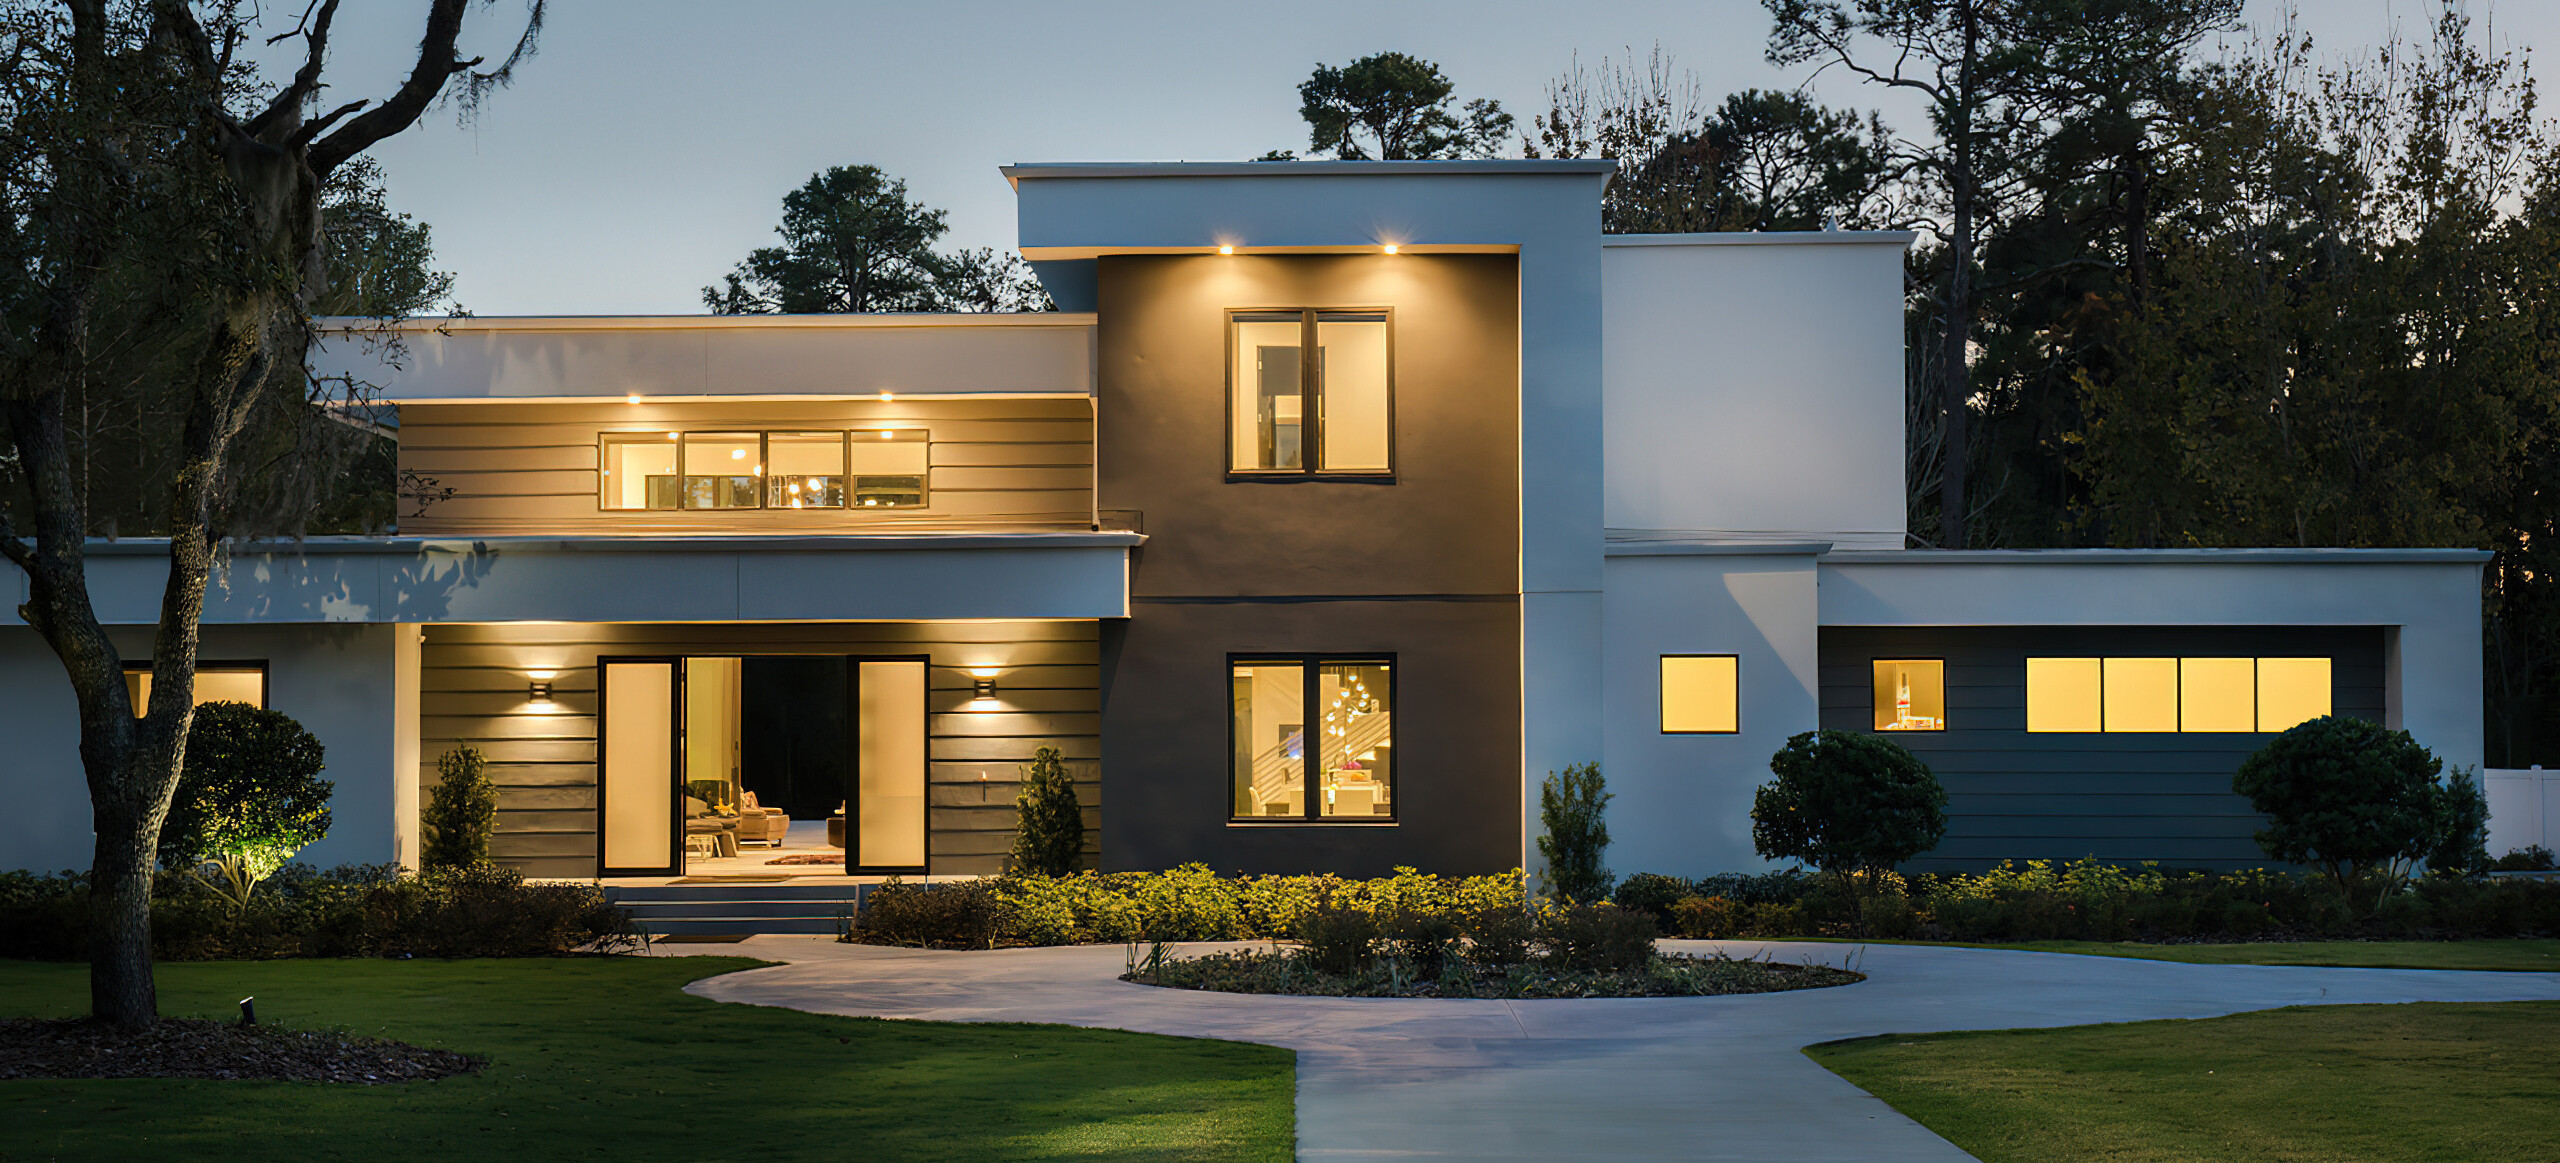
(986, 684)
(540, 689)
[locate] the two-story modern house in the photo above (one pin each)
(1339, 504)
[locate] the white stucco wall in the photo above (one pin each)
(1753, 386)
(1683, 803)
(340, 682)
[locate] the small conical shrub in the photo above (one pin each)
(461, 812)
(1048, 837)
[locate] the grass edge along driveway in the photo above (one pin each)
(2528, 955)
(2424, 1081)
(608, 1058)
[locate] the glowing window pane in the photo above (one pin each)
(723, 470)
(1351, 369)
(2141, 694)
(1269, 768)
(2217, 694)
(1270, 392)
(1355, 740)
(2291, 691)
(639, 471)
(215, 683)
(1701, 694)
(1911, 694)
(807, 470)
(889, 468)
(2062, 694)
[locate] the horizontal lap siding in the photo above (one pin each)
(2012, 795)
(532, 468)
(472, 690)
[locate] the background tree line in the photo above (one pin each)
(2179, 283)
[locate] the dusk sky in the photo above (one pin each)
(647, 148)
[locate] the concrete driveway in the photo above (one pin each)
(1618, 1079)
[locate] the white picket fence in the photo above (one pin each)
(2524, 808)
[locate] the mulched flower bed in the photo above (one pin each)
(1668, 975)
(194, 1048)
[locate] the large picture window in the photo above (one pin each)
(867, 468)
(2175, 695)
(1312, 739)
(1310, 392)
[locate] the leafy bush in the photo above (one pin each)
(1500, 935)
(249, 796)
(1048, 836)
(1424, 938)
(1649, 892)
(956, 915)
(1573, 809)
(2351, 797)
(1191, 903)
(1597, 938)
(1702, 917)
(2531, 858)
(348, 911)
(1847, 803)
(1785, 886)
(2461, 846)
(461, 812)
(1337, 938)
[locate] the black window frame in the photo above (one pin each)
(1311, 394)
(1946, 716)
(845, 437)
(1311, 678)
(1662, 694)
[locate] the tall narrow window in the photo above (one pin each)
(1313, 739)
(1911, 694)
(1701, 694)
(1310, 392)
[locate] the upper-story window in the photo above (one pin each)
(1310, 393)
(869, 468)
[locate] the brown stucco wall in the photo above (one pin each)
(1237, 566)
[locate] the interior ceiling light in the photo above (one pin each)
(1391, 248)
(631, 399)
(888, 395)
(1226, 250)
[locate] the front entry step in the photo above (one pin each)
(708, 909)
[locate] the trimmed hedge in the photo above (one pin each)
(349, 911)
(2089, 900)
(1190, 903)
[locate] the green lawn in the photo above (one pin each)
(606, 1058)
(2309, 1084)
(2541, 955)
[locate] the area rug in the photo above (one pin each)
(804, 859)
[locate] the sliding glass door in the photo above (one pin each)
(761, 765)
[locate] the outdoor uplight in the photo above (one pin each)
(986, 676)
(540, 690)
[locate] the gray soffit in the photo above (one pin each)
(2159, 557)
(1716, 548)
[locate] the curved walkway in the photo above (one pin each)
(1615, 1079)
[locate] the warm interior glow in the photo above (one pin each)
(2218, 694)
(2292, 691)
(639, 471)
(2141, 694)
(1701, 694)
(2062, 694)
(215, 683)
(1351, 360)
(1910, 694)
(1268, 411)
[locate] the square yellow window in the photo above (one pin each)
(1911, 694)
(1701, 694)
(2063, 695)
(2292, 691)
(2141, 694)
(2218, 694)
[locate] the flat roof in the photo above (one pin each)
(706, 322)
(1765, 238)
(2263, 556)
(1487, 167)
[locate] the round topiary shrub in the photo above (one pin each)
(2350, 797)
(249, 797)
(1846, 803)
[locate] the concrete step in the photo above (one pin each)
(725, 925)
(826, 910)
